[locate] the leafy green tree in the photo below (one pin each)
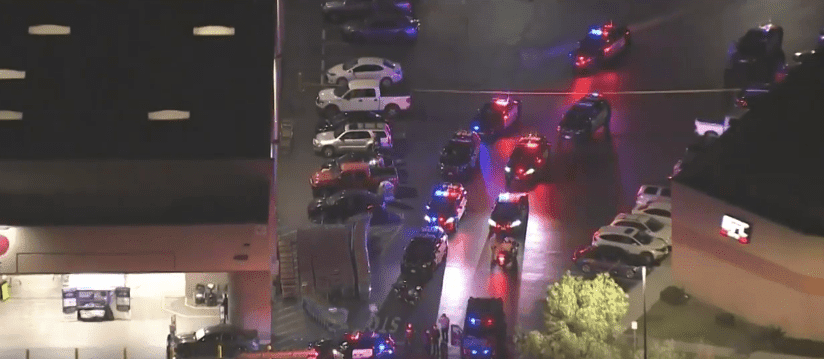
(582, 319)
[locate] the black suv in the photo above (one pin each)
(529, 160)
(496, 117)
(424, 254)
(585, 117)
(612, 260)
(484, 331)
(460, 156)
(342, 205)
(602, 44)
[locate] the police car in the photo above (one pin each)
(510, 215)
(496, 116)
(460, 156)
(446, 207)
(756, 57)
(529, 159)
(603, 43)
(585, 117)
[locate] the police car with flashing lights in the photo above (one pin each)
(446, 207)
(602, 44)
(484, 331)
(368, 345)
(510, 215)
(585, 117)
(460, 156)
(424, 254)
(529, 160)
(496, 117)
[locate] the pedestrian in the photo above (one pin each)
(436, 336)
(410, 336)
(443, 322)
(427, 343)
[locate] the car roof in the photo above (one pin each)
(370, 60)
(629, 231)
(363, 84)
(637, 217)
(659, 204)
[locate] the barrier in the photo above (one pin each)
(66, 353)
(332, 319)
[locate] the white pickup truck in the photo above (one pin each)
(714, 128)
(363, 95)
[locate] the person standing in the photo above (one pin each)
(436, 336)
(427, 343)
(443, 322)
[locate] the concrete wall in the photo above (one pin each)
(250, 302)
(774, 280)
(122, 249)
(192, 279)
(155, 285)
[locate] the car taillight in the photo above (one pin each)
(501, 258)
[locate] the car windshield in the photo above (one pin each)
(753, 43)
(442, 206)
(420, 251)
(643, 237)
(389, 64)
(455, 153)
(505, 212)
(591, 45)
(340, 91)
(349, 64)
(654, 225)
(575, 120)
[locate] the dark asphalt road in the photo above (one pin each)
(521, 45)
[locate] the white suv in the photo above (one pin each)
(633, 241)
(660, 210)
(643, 222)
(648, 193)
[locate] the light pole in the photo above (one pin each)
(634, 337)
(644, 299)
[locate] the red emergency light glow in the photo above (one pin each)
(532, 145)
(502, 102)
(501, 260)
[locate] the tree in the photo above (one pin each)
(582, 319)
(661, 350)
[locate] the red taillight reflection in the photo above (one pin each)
(744, 240)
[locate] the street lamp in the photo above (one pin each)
(644, 296)
(634, 337)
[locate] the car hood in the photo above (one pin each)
(327, 94)
(337, 70)
(325, 136)
(186, 338)
(323, 176)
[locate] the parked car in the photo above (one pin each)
(353, 137)
(648, 193)
(335, 122)
(351, 175)
(603, 43)
(342, 205)
(607, 259)
(363, 95)
(204, 342)
(365, 68)
(337, 11)
(643, 222)
(382, 27)
(371, 158)
(660, 210)
(712, 129)
(633, 241)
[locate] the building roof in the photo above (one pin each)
(771, 162)
(88, 94)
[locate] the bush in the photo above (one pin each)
(673, 295)
(725, 319)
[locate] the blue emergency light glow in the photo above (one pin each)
(381, 347)
(474, 351)
(597, 32)
(486, 351)
(476, 128)
(473, 321)
(441, 193)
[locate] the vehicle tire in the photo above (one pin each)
(392, 110)
(586, 268)
(647, 258)
(342, 82)
(386, 82)
(328, 151)
(331, 110)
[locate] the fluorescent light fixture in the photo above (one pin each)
(214, 30)
(10, 115)
(48, 30)
(9, 74)
(96, 281)
(168, 115)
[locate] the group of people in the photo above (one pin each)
(435, 339)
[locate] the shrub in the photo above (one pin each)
(673, 295)
(773, 334)
(725, 319)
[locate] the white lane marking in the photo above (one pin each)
(559, 93)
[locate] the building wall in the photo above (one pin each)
(774, 280)
(123, 249)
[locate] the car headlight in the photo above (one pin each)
(315, 141)
(507, 169)
(492, 223)
(450, 220)
(425, 265)
(529, 171)
(516, 223)
(427, 218)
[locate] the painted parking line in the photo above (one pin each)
(563, 93)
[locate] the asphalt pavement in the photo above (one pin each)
(512, 45)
